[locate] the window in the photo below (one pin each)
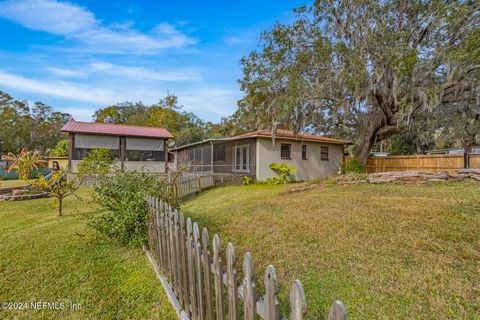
(80, 153)
(285, 151)
(242, 158)
(139, 155)
(304, 152)
(324, 153)
(219, 153)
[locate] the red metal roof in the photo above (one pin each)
(288, 134)
(108, 129)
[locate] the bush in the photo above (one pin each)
(285, 174)
(97, 162)
(248, 181)
(123, 195)
(354, 165)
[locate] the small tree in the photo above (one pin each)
(58, 186)
(25, 162)
(98, 162)
(61, 149)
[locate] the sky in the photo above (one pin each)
(80, 56)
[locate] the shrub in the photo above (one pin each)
(25, 162)
(97, 162)
(354, 165)
(248, 181)
(123, 195)
(285, 173)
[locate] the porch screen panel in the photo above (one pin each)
(90, 142)
(143, 144)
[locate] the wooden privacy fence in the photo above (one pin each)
(200, 286)
(433, 163)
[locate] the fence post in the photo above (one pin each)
(191, 273)
(249, 295)
(298, 303)
(272, 307)
(178, 261)
(206, 274)
(198, 269)
(183, 258)
(218, 278)
(232, 284)
(337, 311)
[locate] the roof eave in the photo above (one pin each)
(118, 135)
(252, 137)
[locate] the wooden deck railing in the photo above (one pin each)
(201, 286)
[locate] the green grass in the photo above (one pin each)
(15, 183)
(48, 258)
(387, 251)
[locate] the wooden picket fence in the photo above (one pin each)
(195, 278)
(434, 163)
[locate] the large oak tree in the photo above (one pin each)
(363, 69)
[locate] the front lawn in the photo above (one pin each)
(46, 258)
(387, 251)
(15, 183)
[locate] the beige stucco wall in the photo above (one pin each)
(311, 168)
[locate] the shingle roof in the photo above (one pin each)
(115, 130)
(288, 134)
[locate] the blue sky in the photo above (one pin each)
(79, 56)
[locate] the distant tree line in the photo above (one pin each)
(37, 127)
(167, 113)
(24, 126)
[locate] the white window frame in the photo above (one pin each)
(242, 146)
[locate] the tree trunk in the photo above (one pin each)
(376, 123)
(366, 143)
(60, 206)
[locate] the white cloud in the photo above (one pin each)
(211, 101)
(104, 69)
(78, 24)
(49, 16)
(142, 74)
(59, 89)
(66, 73)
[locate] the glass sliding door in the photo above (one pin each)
(242, 158)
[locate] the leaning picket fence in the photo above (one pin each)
(194, 275)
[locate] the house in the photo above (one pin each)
(57, 162)
(252, 153)
(132, 147)
(459, 150)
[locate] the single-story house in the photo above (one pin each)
(132, 147)
(252, 153)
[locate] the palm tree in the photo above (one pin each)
(25, 162)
